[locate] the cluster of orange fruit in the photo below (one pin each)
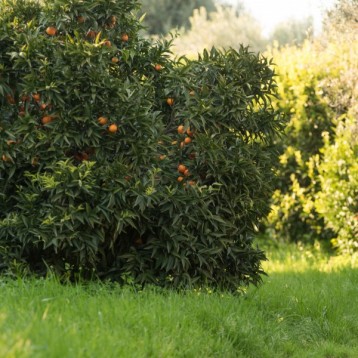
(112, 128)
(182, 169)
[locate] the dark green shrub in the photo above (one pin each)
(82, 195)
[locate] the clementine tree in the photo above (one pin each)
(123, 169)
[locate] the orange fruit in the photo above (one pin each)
(182, 144)
(181, 168)
(113, 128)
(46, 119)
(51, 31)
(192, 182)
(162, 157)
(170, 101)
(158, 67)
(115, 59)
(43, 106)
(180, 179)
(181, 129)
(91, 34)
(36, 97)
(187, 140)
(107, 43)
(112, 19)
(189, 132)
(5, 158)
(186, 172)
(10, 99)
(81, 19)
(102, 120)
(125, 37)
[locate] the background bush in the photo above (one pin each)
(313, 198)
(80, 195)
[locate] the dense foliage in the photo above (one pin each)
(122, 163)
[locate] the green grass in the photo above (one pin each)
(307, 307)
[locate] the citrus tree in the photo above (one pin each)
(122, 163)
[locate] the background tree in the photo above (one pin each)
(292, 31)
(226, 27)
(163, 16)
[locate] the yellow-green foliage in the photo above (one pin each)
(317, 89)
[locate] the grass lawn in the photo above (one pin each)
(306, 307)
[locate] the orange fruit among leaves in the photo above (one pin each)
(107, 43)
(46, 119)
(125, 37)
(81, 19)
(115, 59)
(189, 132)
(181, 168)
(158, 67)
(36, 97)
(51, 31)
(113, 128)
(187, 140)
(180, 179)
(91, 34)
(181, 129)
(186, 172)
(170, 101)
(102, 120)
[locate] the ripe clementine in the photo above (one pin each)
(170, 101)
(189, 132)
(115, 59)
(112, 20)
(180, 179)
(91, 34)
(113, 128)
(107, 43)
(186, 172)
(43, 106)
(36, 97)
(81, 19)
(192, 182)
(46, 119)
(5, 158)
(181, 129)
(51, 31)
(187, 140)
(10, 99)
(102, 120)
(125, 37)
(181, 168)
(158, 67)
